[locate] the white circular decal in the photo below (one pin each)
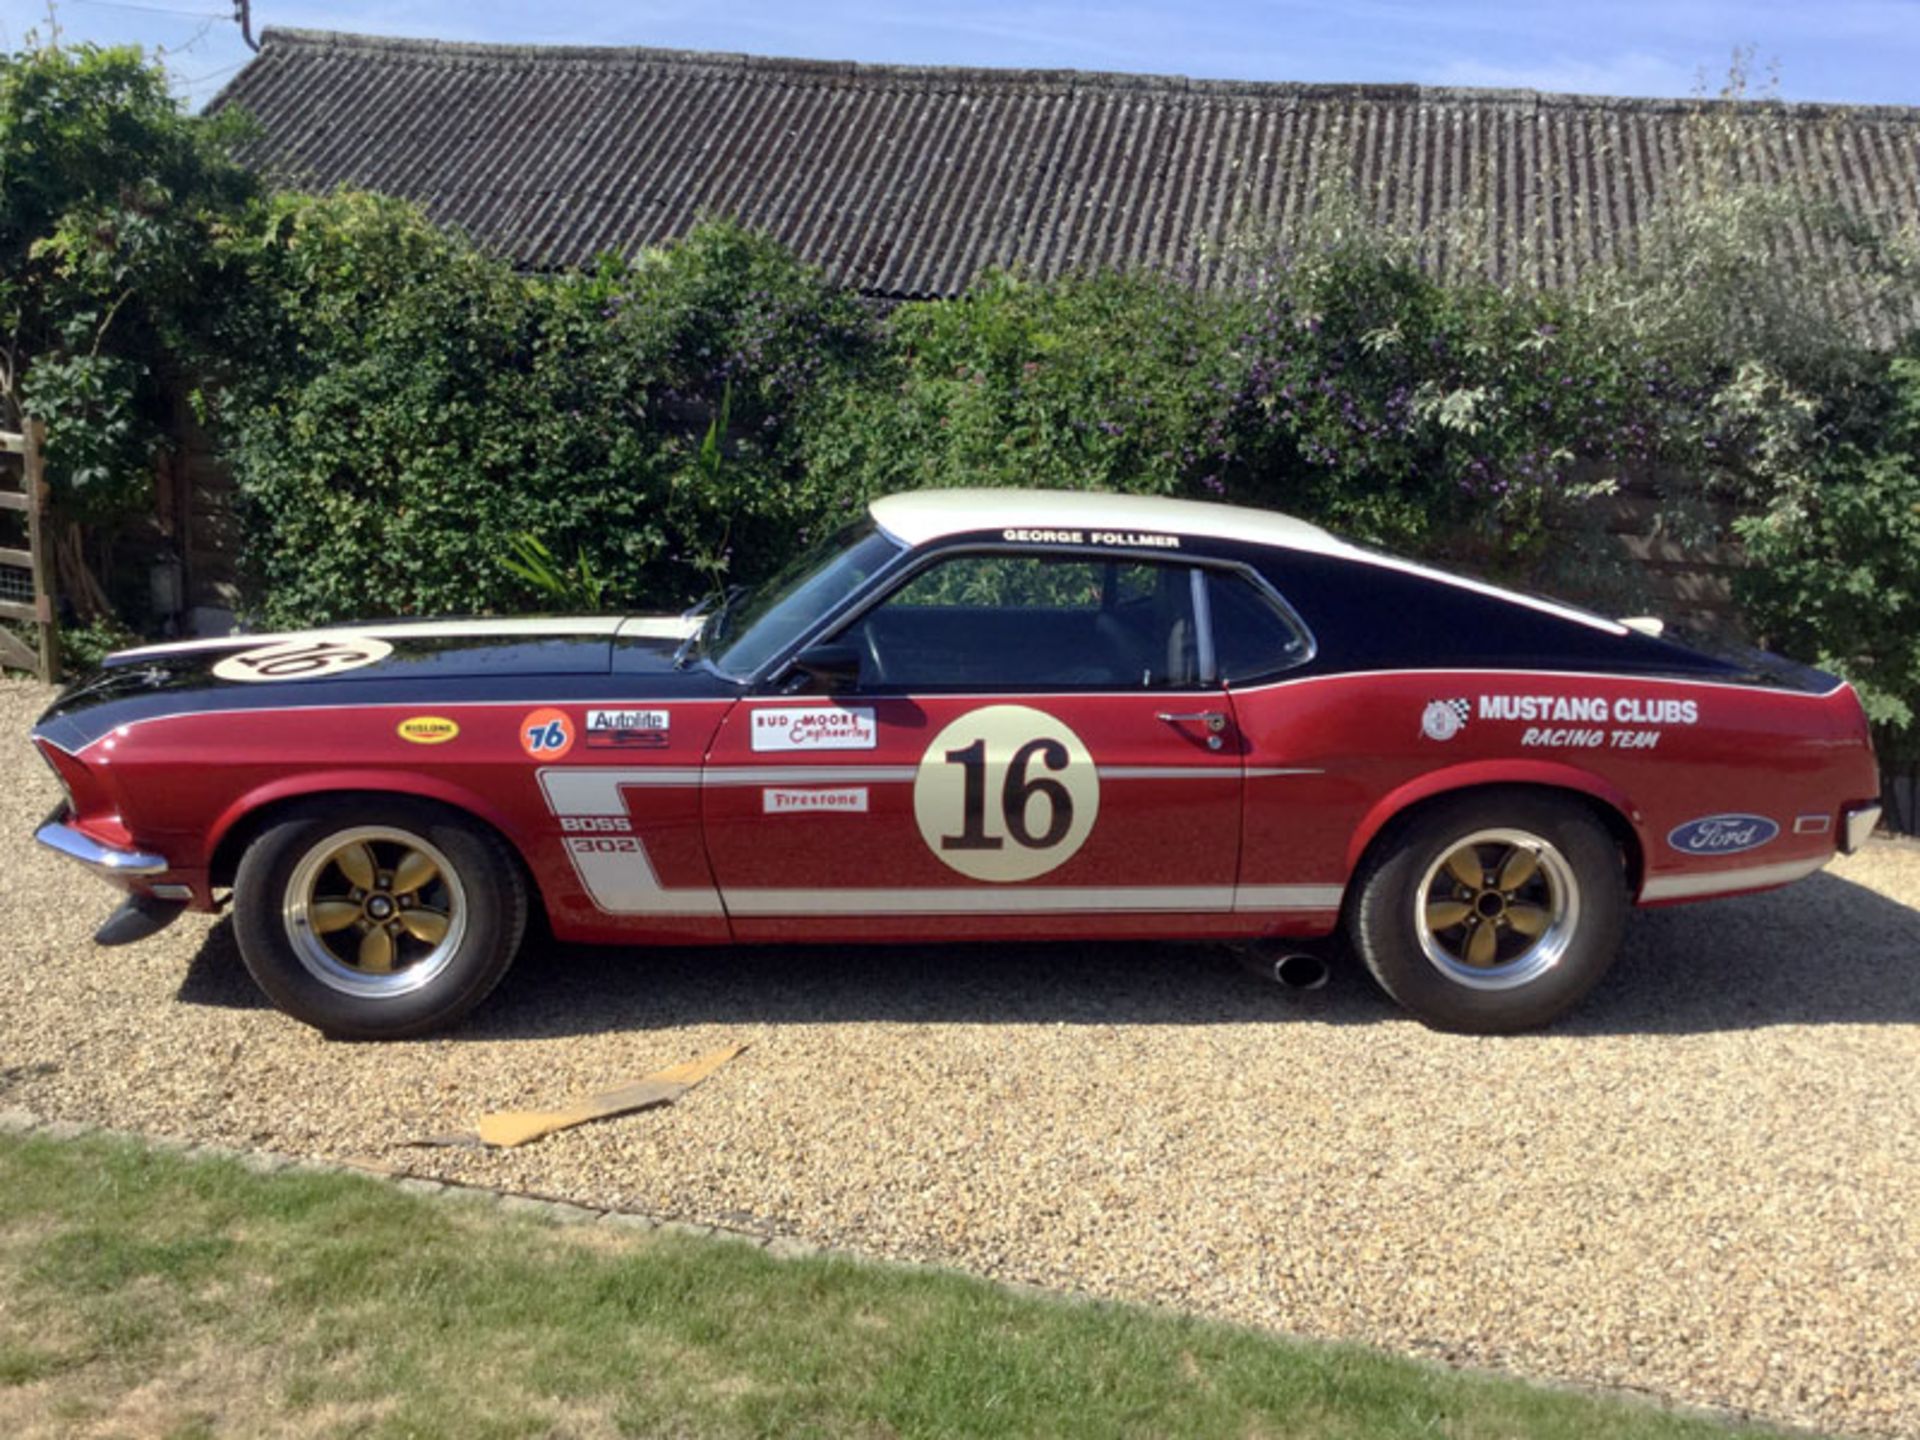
(303, 658)
(1443, 719)
(1006, 792)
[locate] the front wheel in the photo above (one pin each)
(1491, 913)
(377, 919)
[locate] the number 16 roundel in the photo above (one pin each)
(1006, 792)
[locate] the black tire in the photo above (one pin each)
(1512, 978)
(284, 896)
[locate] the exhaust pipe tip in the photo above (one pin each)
(1297, 970)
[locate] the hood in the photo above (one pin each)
(381, 661)
(416, 649)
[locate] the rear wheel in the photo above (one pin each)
(1492, 912)
(379, 918)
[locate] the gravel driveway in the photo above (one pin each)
(1706, 1185)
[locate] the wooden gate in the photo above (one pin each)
(26, 574)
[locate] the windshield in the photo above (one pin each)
(755, 625)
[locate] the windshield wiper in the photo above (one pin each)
(712, 627)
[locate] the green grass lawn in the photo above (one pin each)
(147, 1294)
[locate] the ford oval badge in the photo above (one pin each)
(1722, 834)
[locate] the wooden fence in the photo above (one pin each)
(26, 571)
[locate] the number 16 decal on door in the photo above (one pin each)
(1006, 793)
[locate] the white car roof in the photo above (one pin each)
(916, 517)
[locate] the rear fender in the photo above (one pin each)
(1481, 773)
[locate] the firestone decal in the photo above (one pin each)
(546, 734)
(813, 727)
(303, 659)
(789, 802)
(1444, 719)
(1006, 792)
(1722, 834)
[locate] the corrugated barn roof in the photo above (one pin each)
(907, 181)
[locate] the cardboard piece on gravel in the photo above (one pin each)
(663, 1087)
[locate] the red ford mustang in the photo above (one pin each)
(981, 715)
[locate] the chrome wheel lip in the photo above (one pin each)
(1549, 947)
(320, 961)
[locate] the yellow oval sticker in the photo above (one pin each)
(428, 729)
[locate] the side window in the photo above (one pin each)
(1003, 621)
(1252, 637)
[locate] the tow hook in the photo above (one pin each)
(138, 917)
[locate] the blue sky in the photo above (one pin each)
(1857, 51)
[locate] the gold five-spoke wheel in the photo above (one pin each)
(374, 911)
(1497, 909)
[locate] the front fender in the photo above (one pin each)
(392, 782)
(1548, 774)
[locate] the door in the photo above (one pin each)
(1036, 746)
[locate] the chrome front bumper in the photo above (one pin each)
(107, 861)
(1856, 824)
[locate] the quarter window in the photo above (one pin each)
(1252, 636)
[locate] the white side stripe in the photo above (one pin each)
(1725, 882)
(1288, 897)
(583, 790)
(1031, 899)
(594, 790)
(623, 882)
(808, 775)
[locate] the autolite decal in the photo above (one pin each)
(1722, 834)
(813, 727)
(627, 729)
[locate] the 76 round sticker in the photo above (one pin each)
(546, 734)
(1006, 792)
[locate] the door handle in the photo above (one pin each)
(1214, 720)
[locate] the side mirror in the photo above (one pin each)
(829, 667)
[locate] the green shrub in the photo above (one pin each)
(423, 405)
(112, 204)
(83, 647)
(1835, 574)
(1401, 410)
(1105, 381)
